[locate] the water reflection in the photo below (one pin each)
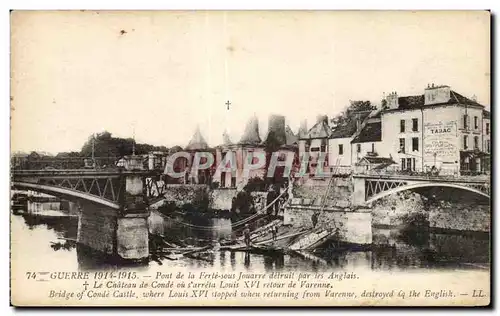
(392, 249)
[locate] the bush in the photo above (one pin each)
(214, 185)
(258, 184)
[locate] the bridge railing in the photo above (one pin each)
(419, 172)
(72, 163)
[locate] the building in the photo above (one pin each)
(439, 128)
(281, 141)
(367, 144)
(195, 145)
(314, 145)
(340, 150)
(249, 144)
(250, 149)
(486, 141)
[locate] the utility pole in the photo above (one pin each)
(93, 150)
(133, 143)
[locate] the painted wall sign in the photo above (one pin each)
(440, 142)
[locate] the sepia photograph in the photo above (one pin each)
(250, 158)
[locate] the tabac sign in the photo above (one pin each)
(440, 142)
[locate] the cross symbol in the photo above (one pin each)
(228, 104)
(85, 284)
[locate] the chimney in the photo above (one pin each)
(358, 123)
(303, 129)
(276, 130)
(392, 100)
(435, 94)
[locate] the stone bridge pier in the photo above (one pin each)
(122, 233)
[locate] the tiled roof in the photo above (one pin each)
(291, 138)
(319, 130)
(371, 132)
(411, 102)
(378, 160)
(349, 127)
(461, 99)
(486, 114)
(418, 101)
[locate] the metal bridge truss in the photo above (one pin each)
(155, 187)
(374, 187)
(106, 187)
(483, 187)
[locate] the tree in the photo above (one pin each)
(354, 106)
(71, 154)
(383, 104)
(105, 145)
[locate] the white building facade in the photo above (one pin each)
(440, 129)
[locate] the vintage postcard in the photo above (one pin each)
(250, 158)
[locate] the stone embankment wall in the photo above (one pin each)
(182, 194)
(460, 216)
(354, 226)
(221, 199)
(218, 199)
(398, 209)
(313, 191)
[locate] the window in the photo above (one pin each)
(465, 121)
(314, 149)
(487, 128)
(466, 145)
(402, 126)
(402, 145)
(223, 180)
(488, 145)
(408, 164)
(323, 148)
(341, 149)
(476, 122)
(414, 144)
(358, 148)
(476, 142)
(414, 164)
(403, 164)
(414, 125)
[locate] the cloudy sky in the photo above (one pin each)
(163, 73)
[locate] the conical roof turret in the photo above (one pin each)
(251, 134)
(197, 142)
(225, 138)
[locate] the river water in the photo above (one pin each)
(49, 241)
